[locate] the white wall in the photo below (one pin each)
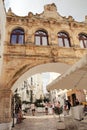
(2, 31)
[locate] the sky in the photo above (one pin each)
(75, 8)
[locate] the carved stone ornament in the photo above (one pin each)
(50, 7)
(54, 51)
(10, 12)
(70, 18)
(30, 14)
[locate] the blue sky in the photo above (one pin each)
(75, 8)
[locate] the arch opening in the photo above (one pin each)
(49, 67)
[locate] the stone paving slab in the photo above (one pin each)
(83, 124)
(50, 122)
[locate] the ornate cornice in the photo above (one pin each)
(49, 16)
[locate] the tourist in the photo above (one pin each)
(50, 109)
(77, 102)
(85, 110)
(67, 106)
(46, 108)
(19, 116)
(53, 107)
(33, 109)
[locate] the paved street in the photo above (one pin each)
(50, 122)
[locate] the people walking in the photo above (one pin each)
(53, 107)
(33, 109)
(67, 106)
(77, 102)
(19, 116)
(46, 108)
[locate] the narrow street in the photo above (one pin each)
(50, 122)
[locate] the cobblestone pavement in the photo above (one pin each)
(73, 124)
(83, 124)
(50, 122)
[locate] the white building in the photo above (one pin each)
(36, 84)
(53, 76)
(58, 95)
(2, 30)
(31, 89)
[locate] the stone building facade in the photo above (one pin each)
(29, 41)
(76, 94)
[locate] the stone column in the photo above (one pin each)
(5, 109)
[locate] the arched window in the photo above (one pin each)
(63, 39)
(17, 36)
(41, 38)
(83, 40)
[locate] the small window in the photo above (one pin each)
(83, 40)
(17, 36)
(63, 39)
(41, 38)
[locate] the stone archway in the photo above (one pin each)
(48, 67)
(17, 60)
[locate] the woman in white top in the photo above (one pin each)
(33, 109)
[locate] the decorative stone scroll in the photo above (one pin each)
(54, 51)
(50, 7)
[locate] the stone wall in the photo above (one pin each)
(18, 59)
(29, 55)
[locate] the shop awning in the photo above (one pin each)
(75, 77)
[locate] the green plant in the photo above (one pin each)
(39, 103)
(58, 111)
